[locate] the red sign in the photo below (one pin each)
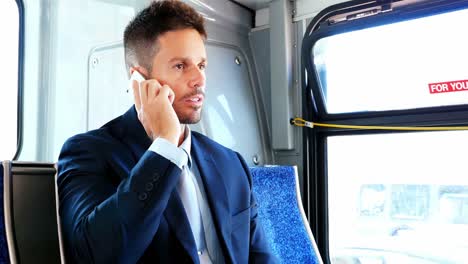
(447, 87)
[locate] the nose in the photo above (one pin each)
(197, 78)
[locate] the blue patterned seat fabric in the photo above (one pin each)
(4, 257)
(280, 214)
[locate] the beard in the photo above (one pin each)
(190, 118)
(193, 115)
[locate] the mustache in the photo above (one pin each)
(198, 91)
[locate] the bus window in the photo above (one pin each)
(9, 30)
(388, 193)
(430, 70)
(392, 196)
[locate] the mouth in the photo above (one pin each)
(195, 100)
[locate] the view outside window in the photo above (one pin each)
(9, 30)
(398, 198)
(410, 201)
(372, 199)
(391, 67)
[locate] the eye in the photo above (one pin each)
(179, 66)
(202, 66)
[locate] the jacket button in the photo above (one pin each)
(142, 196)
(155, 177)
(149, 186)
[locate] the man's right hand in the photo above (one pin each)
(153, 103)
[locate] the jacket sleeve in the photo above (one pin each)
(105, 220)
(259, 251)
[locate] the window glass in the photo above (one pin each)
(410, 201)
(453, 202)
(372, 200)
(406, 65)
(398, 198)
(9, 30)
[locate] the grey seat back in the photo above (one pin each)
(4, 257)
(30, 212)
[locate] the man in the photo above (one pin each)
(144, 188)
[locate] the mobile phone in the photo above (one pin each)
(137, 77)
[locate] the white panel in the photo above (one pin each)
(81, 26)
(9, 29)
(223, 10)
(83, 97)
(254, 4)
(229, 115)
(307, 8)
(107, 86)
(262, 17)
(281, 74)
(31, 80)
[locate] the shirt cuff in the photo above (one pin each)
(169, 151)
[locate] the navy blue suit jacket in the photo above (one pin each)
(119, 204)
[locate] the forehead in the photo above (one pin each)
(187, 43)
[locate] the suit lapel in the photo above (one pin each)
(216, 194)
(134, 136)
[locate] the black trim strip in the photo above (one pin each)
(20, 108)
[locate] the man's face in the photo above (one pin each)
(180, 63)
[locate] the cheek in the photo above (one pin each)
(174, 81)
(173, 84)
(166, 77)
(178, 91)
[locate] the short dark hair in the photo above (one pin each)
(150, 23)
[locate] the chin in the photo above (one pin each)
(191, 118)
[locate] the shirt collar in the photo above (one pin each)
(187, 144)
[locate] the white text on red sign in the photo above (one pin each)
(446, 87)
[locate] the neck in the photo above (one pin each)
(182, 134)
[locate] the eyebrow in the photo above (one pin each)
(185, 59)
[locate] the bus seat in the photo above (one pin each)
(4, 258)
(30, 219)
(280, 209)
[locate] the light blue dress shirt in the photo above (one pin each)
(193, 197)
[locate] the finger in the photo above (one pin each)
(171, 95)
(153, 89)
(144, 92)
(136, 94)
(167, 92)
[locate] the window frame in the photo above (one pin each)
(319, 29)
(19, 123)
(315, 147)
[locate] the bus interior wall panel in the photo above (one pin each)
(35, 67)
(281, 50)
(69, 57)
(229, 116)
(260, 43)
